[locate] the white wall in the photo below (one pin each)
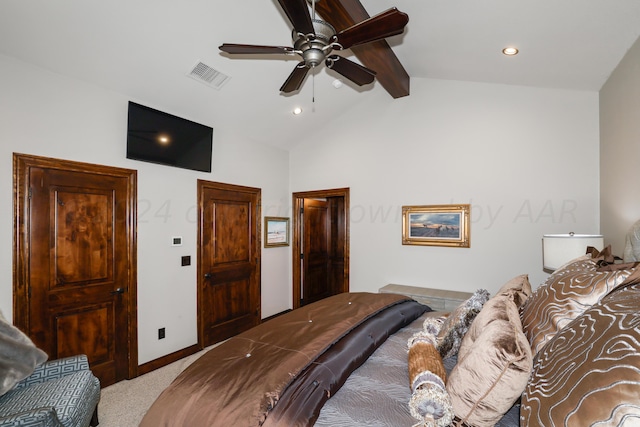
(526, 160)
(620, 150)
(46, 114)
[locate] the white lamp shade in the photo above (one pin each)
(558, 249)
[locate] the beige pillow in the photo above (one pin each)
(589, 373)
(494, 363)
(566, 294)
(513, 292)
(519, 287)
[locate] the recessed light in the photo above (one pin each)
(510, 51)
(297, 111)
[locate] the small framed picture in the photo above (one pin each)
(436, 225)
(276, 231)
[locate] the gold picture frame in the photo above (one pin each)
(276, 231)
(436, 225)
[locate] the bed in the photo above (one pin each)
(344, 361)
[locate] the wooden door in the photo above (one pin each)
(315, 251)
(320, 245)
(75, 289)
(229, 260)
(337, 245)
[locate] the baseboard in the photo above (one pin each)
(175, 356)
(169, 358)
(275, 315)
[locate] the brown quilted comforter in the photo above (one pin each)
(281, 372)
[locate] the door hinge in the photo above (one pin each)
(30, 193)
(301, 210)
(301, 256)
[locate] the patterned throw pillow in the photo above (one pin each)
(457, 323)
(566, 294)
(589, 373)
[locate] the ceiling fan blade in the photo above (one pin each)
(355, 72)
(295, 79)
(254, 49)
(383, 25)
(376, 55)
(298, 13)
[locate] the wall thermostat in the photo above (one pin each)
(176, 241)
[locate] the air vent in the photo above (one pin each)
(208, 75)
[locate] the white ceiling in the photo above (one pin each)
(145, 48)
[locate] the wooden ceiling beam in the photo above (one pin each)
(377, 55)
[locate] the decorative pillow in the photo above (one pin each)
(603, 257)
(589, 373)
(458, 322)
(514, 291)
(18, 356)
(566, 294)
(494, 363)
(519, 287)
(616, 267)
(429, 403)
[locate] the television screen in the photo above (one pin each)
(157, 137)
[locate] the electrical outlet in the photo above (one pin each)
(161, 333)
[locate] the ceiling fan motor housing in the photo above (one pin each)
(315, 40)
(314, 49)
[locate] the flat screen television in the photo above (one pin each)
(157, 137)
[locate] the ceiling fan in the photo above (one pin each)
(315, 40)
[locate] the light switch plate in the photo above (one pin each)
(176, 241)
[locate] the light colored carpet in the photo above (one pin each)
(125, 403)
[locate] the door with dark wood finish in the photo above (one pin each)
(75, 275)
(315, 251)
(320, 245)
(229, 260)
(337, 246)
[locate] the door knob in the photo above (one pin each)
(118, 291)
(208, 275)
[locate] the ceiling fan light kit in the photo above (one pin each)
(314, 41)
(314, 49)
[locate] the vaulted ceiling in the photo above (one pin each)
(145, 49)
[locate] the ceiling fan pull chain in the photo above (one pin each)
(313, 90)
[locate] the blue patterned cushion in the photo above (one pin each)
(55, 369)
(73, 398)
(43, 417)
